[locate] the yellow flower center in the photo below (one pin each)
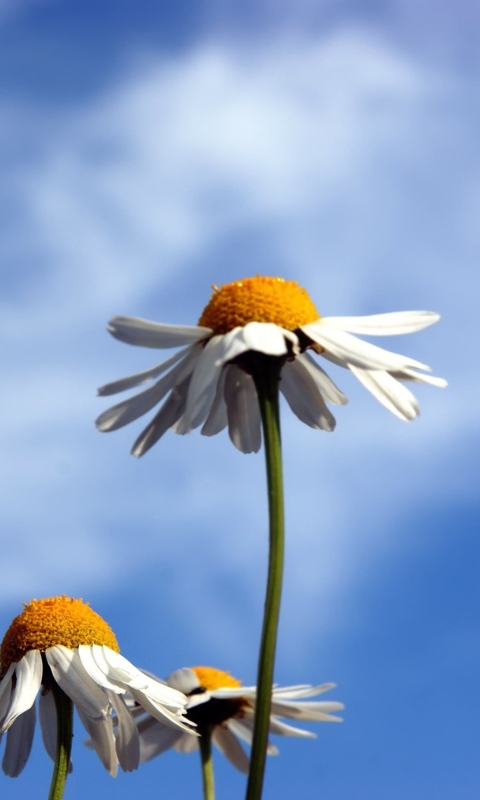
(259, 299)
(211, 679)
(52, 621)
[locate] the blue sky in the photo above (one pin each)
(150, 150)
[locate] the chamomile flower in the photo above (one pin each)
(217, 701)
(62, 640)
(207, 383)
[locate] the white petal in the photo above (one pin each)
(96, 672)
(102, 738)
(392, 394)
(186, 744)
(217, 419)
(280, 728)
(265, 337)
(243, 411)
(143, 333)
(48, 722)
(242, 727)
(127, 740)
(184, 680)
(329, 391)
(303, 396)
(28, 674)
(169, 414)
(6, 685)
(311, 712)
(129, 410)
(160, 710)
(117, 668)
(416, 377)
(155, 738)
(350, 350)
(71, 676)
(19, 743)
(227, 693)
(301, 690)
(143, 377)
(229, 745)
(203, 384)
(392, 324)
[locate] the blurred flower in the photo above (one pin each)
(208, 382)
(218, 701)
(62, 640)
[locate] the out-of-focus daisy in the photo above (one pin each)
(218, 702)
(61, 640)
(208, 382)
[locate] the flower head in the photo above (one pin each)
(218, 701)
(61, 640)
(209, 383)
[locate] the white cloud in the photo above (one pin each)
(309, 150)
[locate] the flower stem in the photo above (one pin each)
(266, 375)
(64, 708)
(205, 744)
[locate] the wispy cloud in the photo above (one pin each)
(318, 160)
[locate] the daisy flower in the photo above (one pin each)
(208, 382)
(218, 702)
(59, 640)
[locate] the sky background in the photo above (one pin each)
(148, 151)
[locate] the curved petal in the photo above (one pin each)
(303, 396)
(310, 712)
(19, 743)
(329, 391)
(265, 337)
(350, 350)
(393, 324)
(229, 745)
(217, 419)
(127, 740)
(72, 677)
(186, 744)
(416, 377)
(143, 333)
(28, 674)
(155, 738)
(142, 377)
(117, 668)
(102, 738)
(280, 728)
(203, 384)
(301, 690)
(184, 680)
(243, 728)
(168, 416)
(389, 392)
(243, 411)
(96, 672)
(48, 722)
(134, 407)
(6, 687)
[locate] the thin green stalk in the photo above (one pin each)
(266, 374)
(64, 707)
(205, 744)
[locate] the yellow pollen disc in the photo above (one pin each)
(52, 621)
(211, 679)
(259, 299)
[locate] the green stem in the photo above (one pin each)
(266, 375)
(205, 744)
(64, 707)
